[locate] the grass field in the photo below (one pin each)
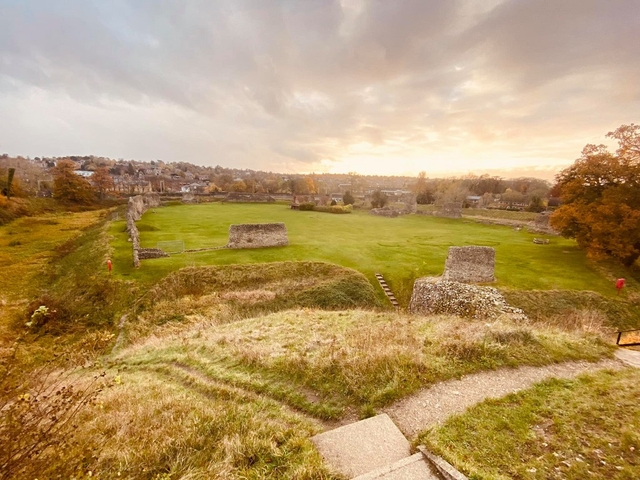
(228, 369)
(559, 429)
(402, 249)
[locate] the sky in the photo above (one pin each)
(375, 87)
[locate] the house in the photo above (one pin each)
(474, 199)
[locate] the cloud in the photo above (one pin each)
(319, 84)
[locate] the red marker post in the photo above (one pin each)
(620, 284)
(109, 266)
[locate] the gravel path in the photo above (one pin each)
(433, 405)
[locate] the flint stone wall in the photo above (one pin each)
(384, 212)
(450, 210)
(248, 197)
(146, 253)
(433, 297)
(135, 209)
(258, 235)
(470, 265)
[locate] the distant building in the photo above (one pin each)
(83, 173)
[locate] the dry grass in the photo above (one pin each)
(356, 359)
(224, 294)
(155, 426)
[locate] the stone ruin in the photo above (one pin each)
(450, 210)
(432, 296)
(542, 220)
(189, 197)
(258, 235)
(470, 265)
(135, 209)
(147, 253)
(241, 197)
(384, 212)
(410, 203)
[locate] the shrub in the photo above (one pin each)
(308, 206)
(334, 209)
(378, 199)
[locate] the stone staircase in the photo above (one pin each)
(376, 449)
(387, 290)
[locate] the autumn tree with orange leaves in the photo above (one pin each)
(600, 196)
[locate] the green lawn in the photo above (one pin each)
(559, 429)
(402, 249)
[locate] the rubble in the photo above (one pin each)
(431, 296)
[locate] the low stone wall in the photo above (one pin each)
(249, 197)
(470, 265)
(135, 209)
(258, 235)
(432, 297)
(384, 212)
(146, 253)
(450, 210)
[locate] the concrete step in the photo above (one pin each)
(414, 467)
(363, 446)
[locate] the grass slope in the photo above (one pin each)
(325, 363)
(31, 253)
(223, 294)
(559, 429)
(401, 248)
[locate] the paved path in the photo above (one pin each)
(433, 405)
(630, 357)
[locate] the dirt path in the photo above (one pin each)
(433, 405)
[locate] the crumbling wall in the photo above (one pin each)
(384, 212)
(470, 265)
(450, 210)
(542, 220)
(258, 235)
(189, 197)
(135, 209)
(432, 297)
(249, 197)
(146, 253)
(410, 203)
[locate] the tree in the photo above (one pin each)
(600, 196)
(536, 205)
(239, 186)
(70, 187)
(348, 199)
(378, 199)
(102, 181)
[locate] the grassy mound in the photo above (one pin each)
(570, 309)
(325, 363)
(221, 294)
(570, 429)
